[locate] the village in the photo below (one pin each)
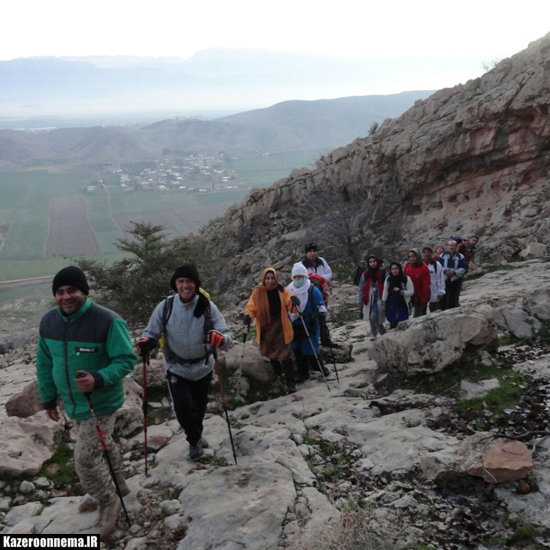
(199, 173)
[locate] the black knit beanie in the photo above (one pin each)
(73, 276)
(189, 271)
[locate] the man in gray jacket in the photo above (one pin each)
(192, 325)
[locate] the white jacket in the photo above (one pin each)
(437, 281)
(407, 292)
(322, 268)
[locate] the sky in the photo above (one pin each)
(485, 28)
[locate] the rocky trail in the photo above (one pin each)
(408, 451)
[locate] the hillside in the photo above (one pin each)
(295, 125)
(291, 125)
(472, 158)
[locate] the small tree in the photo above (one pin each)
(373, 127)
(135, 285)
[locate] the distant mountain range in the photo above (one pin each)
(291, 125)
(211, 80)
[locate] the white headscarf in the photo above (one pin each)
(302, 292)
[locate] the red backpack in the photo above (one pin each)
(321, 284)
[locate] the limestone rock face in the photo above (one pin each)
(213, 509)
(429, 344)
(472, 158)
(156, 378)
(130, 416)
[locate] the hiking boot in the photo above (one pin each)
(203, 443)
(372, 338)
(196, 451)
(302, 378)
(89, 504)
(326, 372)
(108, 516)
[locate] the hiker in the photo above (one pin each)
(270, 304)
(437, 279)
(439, 249)
(311, 308)
(315, 264)
(398, 289)
(454, 268)
(468, 248)
(369, 296)
(417, 270)
(192, 325)
(358, 272)
(81, 337)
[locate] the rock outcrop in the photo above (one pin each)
(472, 158)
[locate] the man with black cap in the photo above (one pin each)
(80, 337)
(192, 325)
(315, 264)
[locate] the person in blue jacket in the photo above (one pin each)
(312, 307)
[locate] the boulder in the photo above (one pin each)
(517, 321)
(341, 354)
(27, 443)
(254, 366)
(25, 403)
(496, 460)
(130, 416)
(429, 344)
(156, 378)
(19, 513)
(534, 250)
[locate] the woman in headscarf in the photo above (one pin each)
(369, 294)
(312, 307)
(419, 273)
(396, 297)
(270, 304)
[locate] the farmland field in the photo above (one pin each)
(44, 212)
(70, 233)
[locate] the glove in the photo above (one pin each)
(216, 338)
(247, 320)
(295, 300)
(145, 345)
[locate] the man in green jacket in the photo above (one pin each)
(80, 337)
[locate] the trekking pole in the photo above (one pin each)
(87, 395)
(220, 381)
(313, 349)
(146, 363)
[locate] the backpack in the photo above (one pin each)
(319, 282)
(459, 240)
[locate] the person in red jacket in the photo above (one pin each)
(419, 273)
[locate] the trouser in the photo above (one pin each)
(285, 367)
(305, 363)
(452, 294)
(375, 326)
(419, 311)
(435, 306)
(90, 464)
(190, 399)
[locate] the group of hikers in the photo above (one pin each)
(85, 350)
(427, 280)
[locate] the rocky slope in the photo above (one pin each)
(472, 158)
(390, 460)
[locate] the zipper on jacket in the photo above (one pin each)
(67, 367)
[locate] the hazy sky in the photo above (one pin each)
(485, 28)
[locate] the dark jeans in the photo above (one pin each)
(305, 363)
(452, 294)
(435, 306)
(190, 400)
